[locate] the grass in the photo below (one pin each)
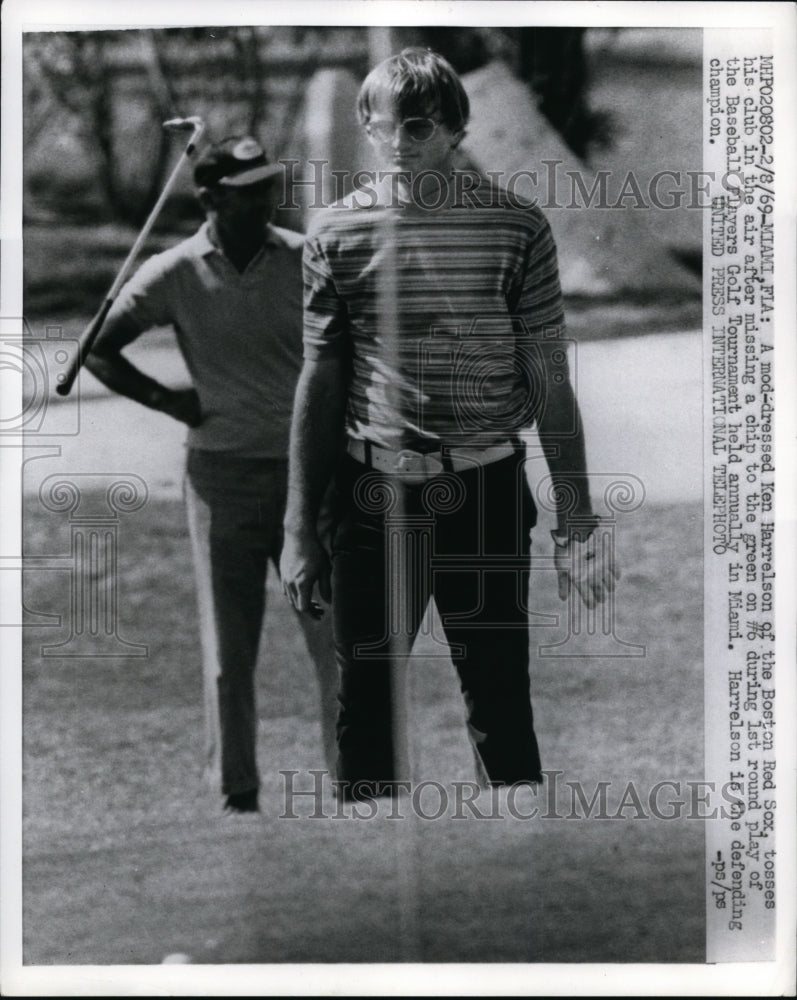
(127, 856)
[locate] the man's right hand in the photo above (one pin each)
(108, 364)
(183, 405)
(304, 563)
(586, 568)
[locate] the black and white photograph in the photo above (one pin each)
(399, 520)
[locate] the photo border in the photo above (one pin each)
(773, 978)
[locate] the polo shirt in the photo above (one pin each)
(240, 335)
(439, 313)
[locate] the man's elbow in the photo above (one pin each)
(558, 413)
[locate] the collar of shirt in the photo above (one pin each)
(208, 241)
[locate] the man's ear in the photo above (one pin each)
(458, 137)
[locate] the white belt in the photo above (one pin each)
(416, 465)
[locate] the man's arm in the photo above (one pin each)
(562, 439)
(580, 562)
(107, 363)
(316, 433)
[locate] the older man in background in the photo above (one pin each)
(233, 294)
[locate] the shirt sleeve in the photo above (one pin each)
(536, 294)
(147, 298)
(535, 302)
(325, 318)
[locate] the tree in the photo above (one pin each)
(74, 74)
(113, 89)
(552, 61)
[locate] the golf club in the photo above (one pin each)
(89, 335)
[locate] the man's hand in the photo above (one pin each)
(587, 567)
(183, 405)
(304, 563)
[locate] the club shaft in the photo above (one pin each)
(124, 271)
(91, 332)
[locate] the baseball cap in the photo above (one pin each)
(234, 162)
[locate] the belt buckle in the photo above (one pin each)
(410, 466)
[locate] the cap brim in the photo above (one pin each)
(262, 173)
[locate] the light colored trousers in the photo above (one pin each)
(230, 561)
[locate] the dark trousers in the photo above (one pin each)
(464, 539)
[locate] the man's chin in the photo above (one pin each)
(404, 166)
(251, 234)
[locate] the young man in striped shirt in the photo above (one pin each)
(432, 339)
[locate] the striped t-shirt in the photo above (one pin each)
(442, 316)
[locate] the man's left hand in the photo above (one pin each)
(587, 566)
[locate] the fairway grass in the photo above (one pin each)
(127, 857)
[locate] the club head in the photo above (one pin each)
(183, 124)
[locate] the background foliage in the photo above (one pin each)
(104, 94)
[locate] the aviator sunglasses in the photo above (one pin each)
(418, 129)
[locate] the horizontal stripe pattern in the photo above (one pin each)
(437, 314)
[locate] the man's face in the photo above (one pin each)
(411, 143)
(243, 210)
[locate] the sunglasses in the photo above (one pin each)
(418, 129)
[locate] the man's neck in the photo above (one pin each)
(433, 189)
(239, 248)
